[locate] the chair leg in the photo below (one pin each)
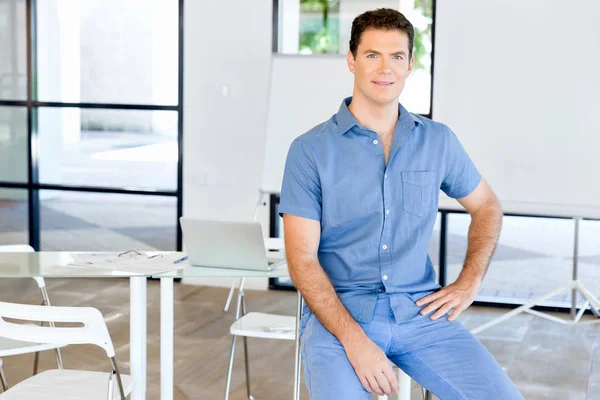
(3, 378)
(119, 381)
(46, 302)
(250, 397)
(59, 361)
(428, 395)
(230, 370)
(36, 357)
(36, 362)
(246, 358)
(111, 385)
(230, 296)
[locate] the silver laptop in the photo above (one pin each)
(221, 244)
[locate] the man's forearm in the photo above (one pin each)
(318, 292)
(484, 232)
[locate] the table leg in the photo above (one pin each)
(137, 336)
(166, 338)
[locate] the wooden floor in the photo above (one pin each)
(544, 359)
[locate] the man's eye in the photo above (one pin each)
(398, 58)
(371, 55)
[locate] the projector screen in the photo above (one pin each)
(519, 83)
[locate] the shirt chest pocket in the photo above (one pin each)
(418, 189)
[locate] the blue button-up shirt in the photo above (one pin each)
(376, 219)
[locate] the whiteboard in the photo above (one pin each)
(304, 92)
(519, 83)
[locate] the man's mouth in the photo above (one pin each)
(383, 83)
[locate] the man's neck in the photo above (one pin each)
(379, 118)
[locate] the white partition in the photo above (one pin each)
(519, 83)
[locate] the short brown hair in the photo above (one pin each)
(381, 18)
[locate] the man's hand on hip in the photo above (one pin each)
(458, 296)
(372, 367)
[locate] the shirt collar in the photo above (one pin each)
(346, 121)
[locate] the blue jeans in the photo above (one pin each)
(441, 355)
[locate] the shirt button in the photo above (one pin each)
(375, 141)
(385, 277)
(387, 211)
(384, 247)
(385, 176)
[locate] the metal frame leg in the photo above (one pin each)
(111, 385)
(46, 302)
(3, 378)
(246, 357)
(298, 361)
(230, 370)
(115, 366)
(230, 296)
(36, 362)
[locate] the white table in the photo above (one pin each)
(55, 265)
(166, 315)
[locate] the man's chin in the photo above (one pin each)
(384, 101)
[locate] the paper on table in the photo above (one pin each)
(154, 263)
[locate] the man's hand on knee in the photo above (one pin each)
(372, 367)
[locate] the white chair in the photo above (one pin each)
(60, 383)
(257, 325)
(16, 347)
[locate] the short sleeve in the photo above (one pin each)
(461, 176)
(301, 187)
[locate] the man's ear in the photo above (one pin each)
(410, 65)
(351, 61)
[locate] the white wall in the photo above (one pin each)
(226, 73)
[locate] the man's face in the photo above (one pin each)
(381, 66)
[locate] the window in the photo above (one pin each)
(76, 221)
(109, 148)
(13, 216)
(534, 257)
(109, 51)
(13, 144)
(13, 51)
(90, 118)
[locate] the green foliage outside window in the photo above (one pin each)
(319, 28)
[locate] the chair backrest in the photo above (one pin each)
(93, 331)
(23, 248)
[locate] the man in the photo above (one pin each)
(359, 201)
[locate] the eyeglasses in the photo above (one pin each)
(134, 254)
